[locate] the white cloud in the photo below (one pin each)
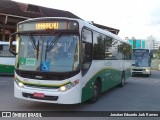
(139, 18)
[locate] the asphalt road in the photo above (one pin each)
(138, 94)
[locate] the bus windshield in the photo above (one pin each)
(48, 53)
(141, 59)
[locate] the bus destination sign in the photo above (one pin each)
(48, 25)
(43, 26)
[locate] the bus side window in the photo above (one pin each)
(86, 50)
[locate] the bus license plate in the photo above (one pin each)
(39, 95)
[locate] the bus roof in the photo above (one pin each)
(83, 23)
(105, 32)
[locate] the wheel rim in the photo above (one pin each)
(123, 81)
(95, 91)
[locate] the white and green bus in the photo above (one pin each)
(67, 61)
(7, 60)
(141, 62)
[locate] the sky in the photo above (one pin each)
(134, 18)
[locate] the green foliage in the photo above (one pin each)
(158, 54)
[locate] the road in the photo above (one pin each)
(138, 94)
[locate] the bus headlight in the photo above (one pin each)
(68, 86)
(19, 83)
(147, 70)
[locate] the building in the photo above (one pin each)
(152, 44)
(149, 43)
(137, 43)
(12, 12)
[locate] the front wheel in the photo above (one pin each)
(96, 92)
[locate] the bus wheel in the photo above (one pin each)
(96, 92)
(147, 75)
(122, 81)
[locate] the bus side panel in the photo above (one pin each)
(109, 77)
(6, 69)
(116, 76)
(87, 91)
(97, 70)
(113, 73)
(7, 65)
(106, 82)
(112, 78)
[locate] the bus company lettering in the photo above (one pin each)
(41, 26)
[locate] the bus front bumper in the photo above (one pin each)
(141, 71)
(72, 96)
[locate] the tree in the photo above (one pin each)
(158, 54)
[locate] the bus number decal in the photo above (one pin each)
(30, 61)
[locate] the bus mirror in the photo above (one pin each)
(11, 46)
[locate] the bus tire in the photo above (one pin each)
(122, 80)
(132, 75)
(147, 75)
(96, 92)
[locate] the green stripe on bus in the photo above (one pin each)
(7, 68)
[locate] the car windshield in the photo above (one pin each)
(48, 53)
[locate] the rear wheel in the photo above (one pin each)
(122, 81)
(132, 75)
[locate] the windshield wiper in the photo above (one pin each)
(53, 42)
(33, 41)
